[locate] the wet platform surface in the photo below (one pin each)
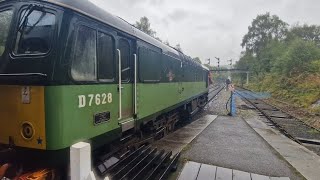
(306, 162)
(198, 171)
(179, 139)
(302, 159)
(230, 142)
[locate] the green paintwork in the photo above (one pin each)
(153, 98)
(67, 124)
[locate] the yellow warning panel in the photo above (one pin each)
(22, 116)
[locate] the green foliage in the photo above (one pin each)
(247, 61)
(263, 29)
(282, 61)
(296, 58)
(314, 66)
(308, 33)
(197, 59)
(166, 43)
(269, 55)
(301, 91)
(144, 25)
(178, 47)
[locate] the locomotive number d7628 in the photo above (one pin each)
(97, 99)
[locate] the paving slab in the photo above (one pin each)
(190, 171)
(259, 177)
(230, 142)
(179, 139)
(199, 171)
(301, 158)
(223, 174)
(207, 172)
(241, 175)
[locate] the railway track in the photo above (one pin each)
(290, 126)
(135, 158)
(142, 162)
(214, 91)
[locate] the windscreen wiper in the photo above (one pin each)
(40, 18)
(26, 14)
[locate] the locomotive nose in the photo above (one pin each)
(22, 116)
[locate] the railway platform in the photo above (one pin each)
(243, 144)
(200, 171)
(230, 142)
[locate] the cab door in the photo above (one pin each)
(126, 78)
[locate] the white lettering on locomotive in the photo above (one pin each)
(97, 99)
(82, 101)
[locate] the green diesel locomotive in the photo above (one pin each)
(70, 72)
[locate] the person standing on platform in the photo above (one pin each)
(228, 82)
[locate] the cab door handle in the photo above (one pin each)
(119, 88)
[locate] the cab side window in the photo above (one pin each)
(106, 56)
(150, 65)
(125, 59)
(35, 32)
(84, 61)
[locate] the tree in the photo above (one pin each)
(269, 55)
(247, 61)
(178, 47)
(263, 29)
(197, 59)
(157, 38)
(305, 32)
(297, 58)
(209, 67)
(144, 25)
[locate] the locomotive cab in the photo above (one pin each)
(27, 49)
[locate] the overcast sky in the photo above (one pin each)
(209, 28)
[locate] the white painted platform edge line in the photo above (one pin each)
(257, 130)
(204, 127)
(285, 137)
(260, 133)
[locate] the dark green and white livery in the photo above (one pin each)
(94, 76)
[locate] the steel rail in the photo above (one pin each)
(269, 118)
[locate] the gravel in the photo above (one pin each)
(218, 105)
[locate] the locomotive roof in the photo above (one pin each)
(92, 10)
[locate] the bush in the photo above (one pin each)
(315, 66)
(297, 58)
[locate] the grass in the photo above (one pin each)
(301, 91)
(313, 131)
